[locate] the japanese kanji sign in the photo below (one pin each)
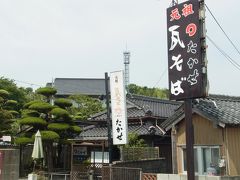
(118, 104)
(187, 72)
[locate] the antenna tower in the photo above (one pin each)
(126, 55)
(174, 2)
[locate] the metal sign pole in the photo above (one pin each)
(189, 139)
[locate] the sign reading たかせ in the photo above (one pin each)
(118, 104)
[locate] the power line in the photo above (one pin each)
(160, 77)
(234, 63)
(27, 83)
(235, 47)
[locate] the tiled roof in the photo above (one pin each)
(85, 86)
(132, 112)
(138, 106)
(100, 133)
(225, 109)
(158, 107)
(217, 108)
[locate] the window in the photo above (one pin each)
(210, 156)
(195, 160)
(203, 157)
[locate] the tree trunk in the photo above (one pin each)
(49, 156)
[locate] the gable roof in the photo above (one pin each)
(85, 86)
(222, 110)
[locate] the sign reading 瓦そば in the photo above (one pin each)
(118, 104)
(186, 67)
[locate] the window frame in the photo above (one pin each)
(199, 148)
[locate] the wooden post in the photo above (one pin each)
(189, 139)
(108, 119)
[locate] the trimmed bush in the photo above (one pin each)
(81, 117)
(63, 103)
(14, 113)
(41, 107)
(58, 126)
(32, 121)
(23, 140)
(76, 129)
(3, 93)
(46, 91)
(59, 112)
(50, 136)
(11, 103)
(30, 113)
(30, 103)
(4, 115)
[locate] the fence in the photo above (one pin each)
(121, 173)
(57, 176)
(138, 153)
(147, 166)
(149, 176)
(81, 172)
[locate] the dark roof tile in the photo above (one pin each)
(85, 86)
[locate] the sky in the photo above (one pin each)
(45, 39)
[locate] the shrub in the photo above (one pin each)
(41, 107)
(11, 103)
(30, 103)
(23, 140)
(30, 113)
(76, 129)
(63, 103)
(32, 121)
(49, 136)
(58, 126)
(59, 112)
(4, 93)
(46, 91)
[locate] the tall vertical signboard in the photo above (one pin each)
(118, 104)
(186, 62)
(187, 67)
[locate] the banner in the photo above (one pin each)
(119, 112)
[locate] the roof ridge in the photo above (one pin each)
(224, 97)
(155, 99)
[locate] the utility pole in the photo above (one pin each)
(189, 139)
(108, 118)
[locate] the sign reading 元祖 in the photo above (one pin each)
(186, 67)
(118, 104)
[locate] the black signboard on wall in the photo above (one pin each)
(186, 67)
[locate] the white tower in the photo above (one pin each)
(126, 55)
